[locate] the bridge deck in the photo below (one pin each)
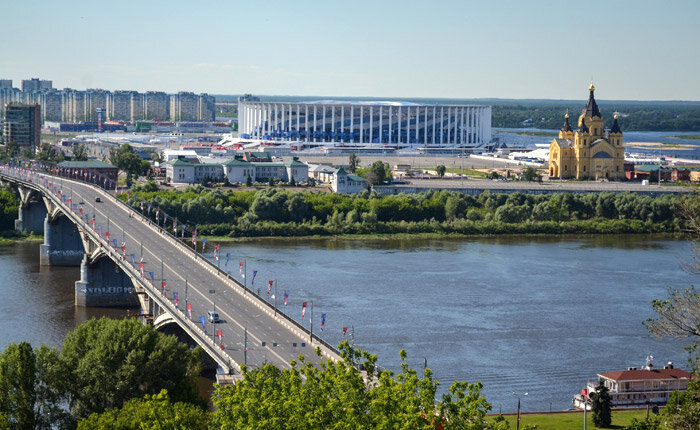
(238, 308)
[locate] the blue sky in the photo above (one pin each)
(640, 50)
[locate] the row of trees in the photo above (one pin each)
(9, 205)
(237, 212)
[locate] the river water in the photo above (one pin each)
(518, 314)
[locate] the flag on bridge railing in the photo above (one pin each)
(303, 310)
(183, 231)
(204, 324)
(228, 257)
(345, 330)
(165, 219)
(152, 278)
(252, 281)
(157, 214)
(141, 265)
(269, 287)
(149, 208)
(240, 269)
(221, 339)
(204, 244)
(133, 258)
(189, 311)
(194, 239)
(174, 298)
(323, 321)
(162, 285)
(216, 252)
(114, 243)
(175, 226)
(286, 297)
(99, 229)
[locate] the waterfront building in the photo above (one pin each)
(23, 125)
(366, 122)
(347, 183)
(591, 151)
(35, 84)
(636, 388)
(236, 170)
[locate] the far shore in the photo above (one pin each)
(660, 145)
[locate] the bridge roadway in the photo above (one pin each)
(271, 336)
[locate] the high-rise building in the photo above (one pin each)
(156, 106)
(137, 106)
(119, 105)
(23, 125)
(73, 105)
(184, 106)
(207, 108)
(8, 95)
(5, 83)
(51, 103)
(35, 84)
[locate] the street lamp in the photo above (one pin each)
(517, 426)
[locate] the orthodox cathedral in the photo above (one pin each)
(590, 151)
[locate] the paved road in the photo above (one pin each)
(237, 309)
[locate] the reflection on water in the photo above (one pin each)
(536, 314)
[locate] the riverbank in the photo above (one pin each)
(10, 238)
(570, 419)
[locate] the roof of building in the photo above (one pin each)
(567, 126)
(615, 127)
(89, 164)
(592, 107)
(655, 168)
(340, 171)
(583, 128)
(236, 162)
(602, 154)
(263, 155)
(564, 143)
(645, 375)
(356, 178)
(321, 168)
(294, 162)
(180, 162)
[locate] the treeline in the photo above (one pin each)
(276, 212)
(9, 206)
(634, 116)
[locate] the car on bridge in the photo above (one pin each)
(213, 317)
(98, 200)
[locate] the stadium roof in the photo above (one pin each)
(360, 103)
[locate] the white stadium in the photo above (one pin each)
(397, 123)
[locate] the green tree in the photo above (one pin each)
(153, 412)
(601, 405)
(112, 361)
(271, 182)
(454, 207)
(125, 159)
(336, 395)
(441, 169)
(530, 174)
(353, 162)
(17, 385)
(248, 181)
(80, 152)
(683, 409)
(292, 182)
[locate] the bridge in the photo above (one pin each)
(127, 260)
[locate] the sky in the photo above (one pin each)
(632, 50)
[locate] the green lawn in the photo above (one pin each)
(574, 420)
(469, 172)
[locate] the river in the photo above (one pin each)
(536, 315)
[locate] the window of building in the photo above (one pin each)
(584, 168)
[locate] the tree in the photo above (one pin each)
(336, 395)
(110, 361)
(271, 182)
(683, 409)
(493, 175)
(353, 162)
(17, 385)
(601, 405)
(248, 181)
(125, 159)
(80, 152)
(153, 412)
(530, 174)
(440, 169)
(292, 182)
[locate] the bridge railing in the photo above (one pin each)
(203, 339)
(179, 242)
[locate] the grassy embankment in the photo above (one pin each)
(690, 136)
(573, 420)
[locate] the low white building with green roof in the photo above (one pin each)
(347, 183)
(236, 170)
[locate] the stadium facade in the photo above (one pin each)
(366, 122)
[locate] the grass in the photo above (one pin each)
(572, 420)
(469, 172)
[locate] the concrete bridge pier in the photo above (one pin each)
(103, 284)
(32, 212)
(62, 243)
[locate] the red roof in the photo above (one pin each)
(642, 375)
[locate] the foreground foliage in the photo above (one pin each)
(102, 364)
(334, 395)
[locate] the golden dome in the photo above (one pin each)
(591, 87)
(616, 116)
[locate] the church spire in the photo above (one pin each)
(583, 128)
(567, 126)
(592, 107)
(615, 127)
